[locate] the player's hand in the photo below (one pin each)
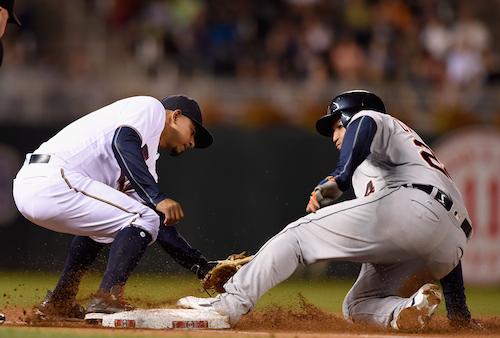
(172, 211)
(313, 204)
(325, 193)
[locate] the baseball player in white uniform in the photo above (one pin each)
(97, 179)
(408, 225)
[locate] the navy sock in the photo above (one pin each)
(82, 253)
(125, 253)
(453, 290)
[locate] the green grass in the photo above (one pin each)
(26, 290)
(69, 333)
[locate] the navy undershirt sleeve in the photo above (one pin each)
(356, 145)
(126, 146)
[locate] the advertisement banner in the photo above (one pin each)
(472, 158)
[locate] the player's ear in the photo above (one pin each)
(175, 115)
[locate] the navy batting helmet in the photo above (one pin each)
(345, 106)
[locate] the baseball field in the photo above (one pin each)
(296, 308)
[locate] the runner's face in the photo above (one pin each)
(338, 134)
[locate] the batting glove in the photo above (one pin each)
(324, 194)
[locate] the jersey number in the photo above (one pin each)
(426, 152)
(430, 158)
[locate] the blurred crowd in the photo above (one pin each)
(446, 44)
(423, 41)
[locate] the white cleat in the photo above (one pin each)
(191, 302)
(210, 304)
(417, 316)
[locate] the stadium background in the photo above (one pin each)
(262, 71)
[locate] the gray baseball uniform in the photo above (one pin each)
(404, 227)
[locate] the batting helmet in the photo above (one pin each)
(345, 106)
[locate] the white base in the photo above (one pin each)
(162, 319)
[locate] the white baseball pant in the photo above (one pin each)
(56, 197)
(403, 237)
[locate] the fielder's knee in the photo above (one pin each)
(148, 221)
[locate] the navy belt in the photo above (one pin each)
(445, 201)
(39, 158)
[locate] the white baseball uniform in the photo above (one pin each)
(82, 189)
(404, 227)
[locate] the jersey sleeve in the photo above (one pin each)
(147, 116)
(356, 145)
(129, 154)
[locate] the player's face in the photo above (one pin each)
(178, 134)
(338, 134)
(4, 16)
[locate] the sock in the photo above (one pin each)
(82, 253)
(454, 296)
(125, 253)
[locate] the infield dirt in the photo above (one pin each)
(307, 321)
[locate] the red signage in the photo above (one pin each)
(472, 158)
(124, 323)
(190, 324)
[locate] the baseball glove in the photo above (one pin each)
(220, 274)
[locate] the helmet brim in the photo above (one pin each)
(324, 124)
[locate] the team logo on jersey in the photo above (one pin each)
(123, 183)
(370, 188)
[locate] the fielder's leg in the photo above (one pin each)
(82, 253)
(61, 302)
(126, 252)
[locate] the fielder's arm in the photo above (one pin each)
(126, 147)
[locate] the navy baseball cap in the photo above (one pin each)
(9, 6)
(191, 109)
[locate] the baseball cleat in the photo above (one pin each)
(417, 316)
(111, 302)
(53, 309)
(210, 304)
(191, 302)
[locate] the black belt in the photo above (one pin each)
(466, 227)
(441, 197)
(445, 201)
(39, 158)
